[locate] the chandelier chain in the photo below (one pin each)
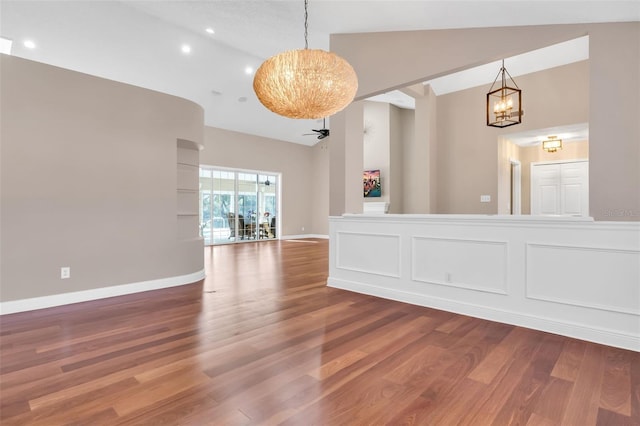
(306, 25)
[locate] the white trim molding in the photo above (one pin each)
(553, 270)
(23, 305)
(355, 256)
(304, 236)
(570, 276)
(458, 262)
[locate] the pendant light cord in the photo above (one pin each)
(306, 25)
(504, 80)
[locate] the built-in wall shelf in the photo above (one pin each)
(187, 177)
(187, 202)
(187, 168)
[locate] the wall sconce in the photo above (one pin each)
(504, 104)
(552, 144)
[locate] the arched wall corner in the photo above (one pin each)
(88, 181)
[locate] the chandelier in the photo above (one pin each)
(552, 144)
(305, 83)
(504, 104)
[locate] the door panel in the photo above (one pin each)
(545, 190)
(548, 199)
(574, 189)
(560, 189)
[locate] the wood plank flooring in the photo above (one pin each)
(263, 341)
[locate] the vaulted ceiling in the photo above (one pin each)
(141, 42)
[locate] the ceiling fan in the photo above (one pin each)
(322, 133)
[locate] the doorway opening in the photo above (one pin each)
(560, 192)
(238, 205)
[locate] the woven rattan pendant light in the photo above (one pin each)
(305, 83)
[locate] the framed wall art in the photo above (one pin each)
(371, 183)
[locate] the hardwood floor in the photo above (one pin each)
(263, 341)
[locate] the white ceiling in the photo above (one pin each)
(139, 42)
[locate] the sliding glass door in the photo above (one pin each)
(237, 206)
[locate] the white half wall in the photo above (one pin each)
(569, 276)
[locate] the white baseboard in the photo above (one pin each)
(23, 305)
(303, 236)
(578, 331)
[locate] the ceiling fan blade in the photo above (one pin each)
(322, 133)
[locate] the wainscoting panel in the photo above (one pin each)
(559, 274)
(370, 253)
(569, 276)
(472, 264)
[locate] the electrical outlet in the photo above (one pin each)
(65, 272)
(303, 228)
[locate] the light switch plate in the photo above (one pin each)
(485, 198)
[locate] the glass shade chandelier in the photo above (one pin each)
(504, 104)
(305, 83)
(552, 144)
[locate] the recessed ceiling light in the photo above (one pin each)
(210, 31)
(186, 48)
(5, 45)
(29, 44)
(248, 70)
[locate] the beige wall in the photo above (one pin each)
(396, 133)
(472, 155)
(613, 79)
(422, 163)
(88, 180)
(467, 154)
(346, 160)
(468, 150)
(409, 185)
(295, 163)
(377, 146)
(396, 147)
(389, 145)
(320, 179)
(383, 149)
(614, 136)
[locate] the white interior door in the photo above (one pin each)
(560, 189)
